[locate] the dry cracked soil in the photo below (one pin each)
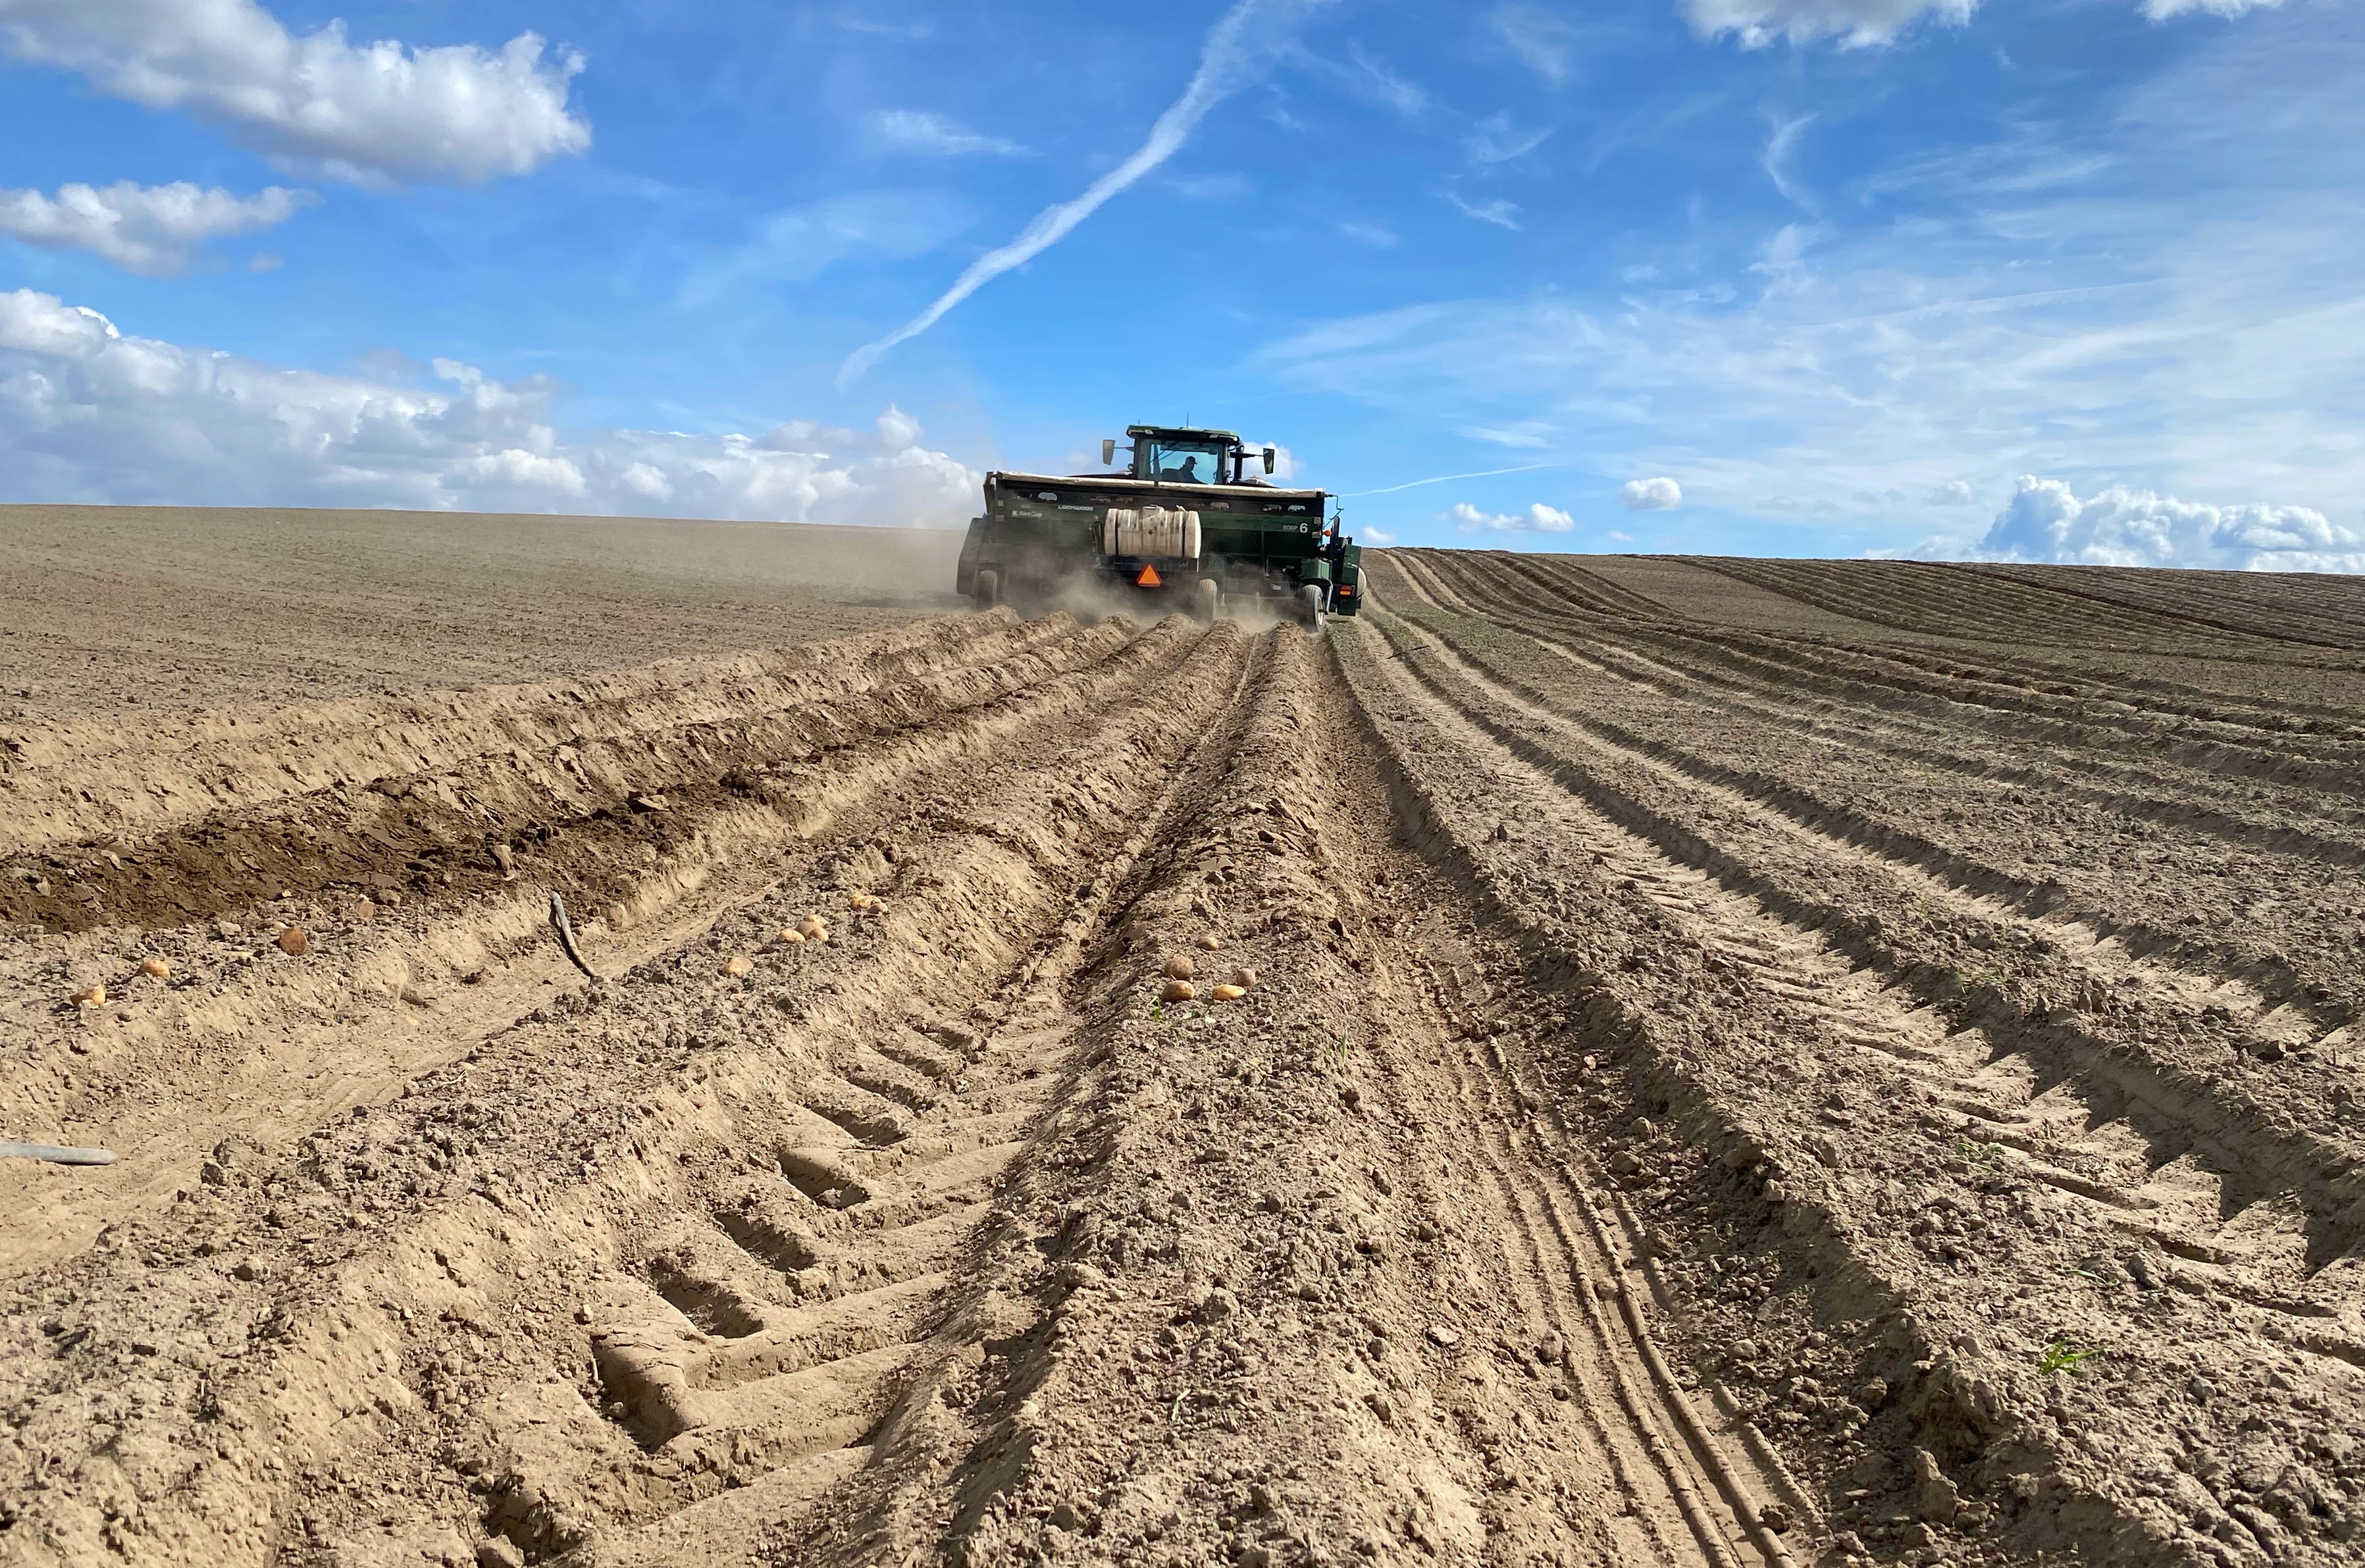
(1716, 1062)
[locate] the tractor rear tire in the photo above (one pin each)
(1311, 596)
(1205, 597)
(988, 589)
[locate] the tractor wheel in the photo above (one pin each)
(1311, 596)
(1205, 597)
(988, 589)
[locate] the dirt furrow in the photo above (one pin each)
(1757, 1174)
(2053, 855)
(2048, 985)
(170, 1073)
(508, 1194)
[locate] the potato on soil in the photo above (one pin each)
(293, 942)
(1178, 990)
(1244, 978)
(1227, 993)
(790, 933)
(158, 968)
(813, 928)
(91, 995)
(1180, 967)
(1211, 942)
(739, 965)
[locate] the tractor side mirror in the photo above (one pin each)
(1268, 459)
(1108, 451)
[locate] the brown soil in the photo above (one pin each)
(1871, 1081)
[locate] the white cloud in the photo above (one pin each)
(2161, 10)
(1229, 60)
(1495, 140)
(1538, 518)
(371, 112)
(2186, 316)
(799, 244)
(917, 131)
(1544, 39)
(1776, 162)
(2045, 521)
(154, 230)
(1953, 493)
(1502, 214)
(1651, 495)
(89, 414)
(1376, 536)
(1378, 237)
(1856, 23)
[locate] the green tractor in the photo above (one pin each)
(1185, 526)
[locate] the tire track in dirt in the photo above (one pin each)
(365, 1007)
(1910, 810)
(547, 1187)
(1862, 1031)
(2061, 987)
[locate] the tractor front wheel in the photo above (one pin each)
(1204, 598)
(988, 589)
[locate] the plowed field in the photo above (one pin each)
(1721, 1063)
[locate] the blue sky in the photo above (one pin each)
(2069, 281)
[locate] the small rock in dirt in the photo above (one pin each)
(1180, 967)
(2201, 1390)
(505, 858)
(158, 968)
(1210, 942)
(1623, 1163)
(227, 930)
(499, 1554)
(91, 995)
(1934, 1496)
(1775, 1516)
(1227, 993)
(1177, 991)
(1245, 978)
(1442, 1337)
(1873, 1393)
(1218, 1306)
(648, 802)
(739, 965)
(293, 942)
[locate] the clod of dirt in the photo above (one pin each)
(1178, 990)
(1227, 993)
(1211, 942)
(95, 995)
(860, 902)
(648, 802)
(1180, 967)
(293, 942)
(157, 967)
(504, 857)
(790, 935)
(813, 928)
(739, 965)
(1244, 978)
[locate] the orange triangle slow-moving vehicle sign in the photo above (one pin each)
(1149, 578)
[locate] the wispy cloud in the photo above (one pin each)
(1495, 140)
(1372, 80)
(1855, 24)
(1502, 214)
(1378, 236)
(1228, 63)
(799, 244)
(1447, 479)
(1545, 40)
(917, 131)
(1777, 160)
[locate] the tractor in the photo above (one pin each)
(1184, 526)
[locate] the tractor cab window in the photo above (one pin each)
(1186, 463)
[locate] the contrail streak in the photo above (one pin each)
(1224, 68)
(1449, 478)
